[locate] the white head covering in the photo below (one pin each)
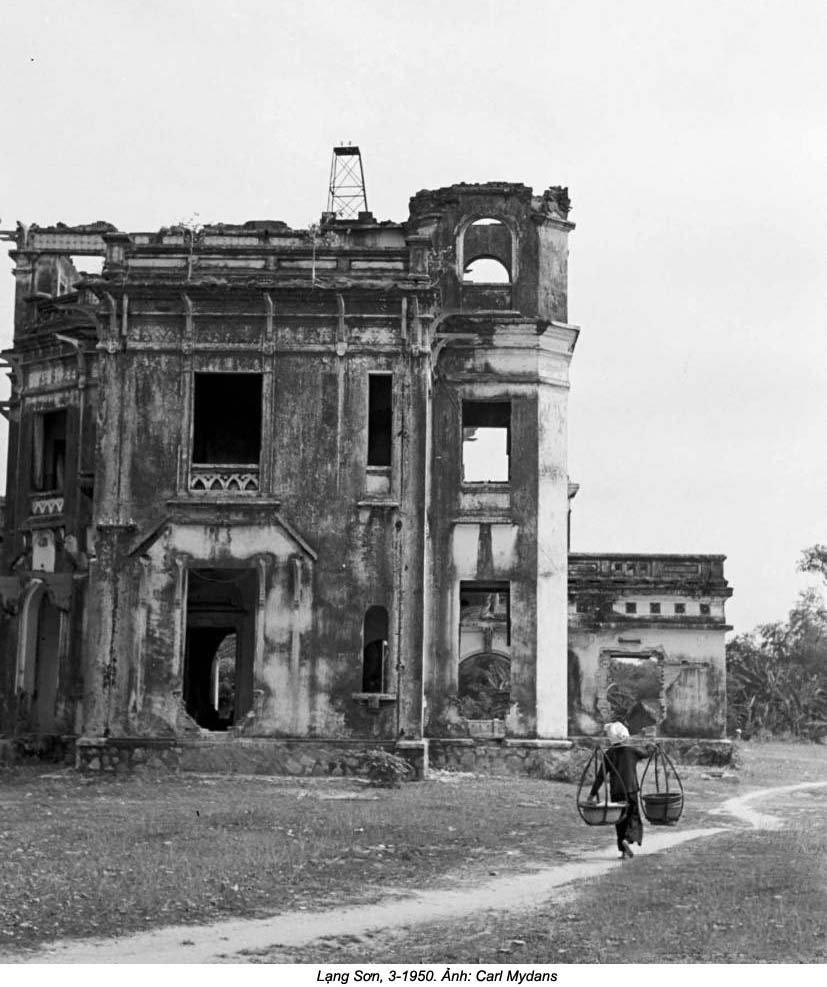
(616, 732)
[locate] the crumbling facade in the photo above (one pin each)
(276, 483)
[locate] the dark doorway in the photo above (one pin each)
(218, 664)
(202, 685)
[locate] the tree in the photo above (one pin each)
(777, 673)
(814, 559)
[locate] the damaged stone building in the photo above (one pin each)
(292, 490)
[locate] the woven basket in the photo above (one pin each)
(602, 813)
(662, 808)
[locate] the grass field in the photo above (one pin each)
(757, 897)
(107, 857)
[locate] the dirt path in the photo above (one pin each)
(224, 941)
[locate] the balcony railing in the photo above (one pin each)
(46, 505)
(225, 479)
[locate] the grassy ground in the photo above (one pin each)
(752, 898)
(108, 857)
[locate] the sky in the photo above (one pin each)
(693, 140)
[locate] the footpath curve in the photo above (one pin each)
(225, 941)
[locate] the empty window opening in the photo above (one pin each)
(375, 650)
(218, 662)
(486, 270)
(634, 691)
(87, 263)
(654, 608)
(680, 608)
(631, 608)
(704, 609)
(227, 419)
(484, 616)
(486, 441)
(380, 419)
(49, 452)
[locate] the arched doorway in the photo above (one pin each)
(39, 660)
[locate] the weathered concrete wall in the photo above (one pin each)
(497, 532)
(693, 676)
(539, 228)
(44, 552)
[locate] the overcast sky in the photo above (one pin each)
(693, 139)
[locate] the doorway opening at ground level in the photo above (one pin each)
(218, 663)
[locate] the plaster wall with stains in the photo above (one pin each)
(315, 478)
(667, 612)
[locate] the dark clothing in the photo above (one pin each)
(623, 786)
(630, 827)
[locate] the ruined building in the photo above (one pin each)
(310, 486)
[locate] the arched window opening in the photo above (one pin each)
(486, 270)
(210, 676)
(487, 252)
(484, 687)
(375, 650)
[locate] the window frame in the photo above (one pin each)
(196, 463)
(380, 467)
(507, 403)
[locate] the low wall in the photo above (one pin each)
(330, 758)
(552, 759)
(557, 760)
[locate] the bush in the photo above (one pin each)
(385, 770)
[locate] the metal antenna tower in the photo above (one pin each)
(347, 196)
